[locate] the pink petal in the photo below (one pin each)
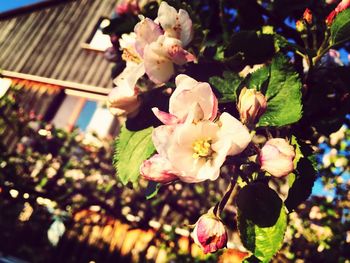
(158, 169)
(158, 66)
(164, 117)
(147, 32)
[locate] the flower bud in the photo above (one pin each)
(276, 157)
(307, 16)
(300, 26)
(210, 233)
(123, 102)
(251, 105)
(158, 169)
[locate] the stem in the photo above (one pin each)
(231, 190)
(314, 37)
(223, 22)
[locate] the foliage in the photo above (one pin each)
(295, 93)
(281, 89)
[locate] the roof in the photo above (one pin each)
(46, 42)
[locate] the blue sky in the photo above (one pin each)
(6, 5)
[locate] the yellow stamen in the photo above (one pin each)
(202, 148)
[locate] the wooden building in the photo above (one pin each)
(55, 50)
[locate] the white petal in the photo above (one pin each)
(158, 66)
(146, 32)
(161, 138)
(189, 92)
(232, 131)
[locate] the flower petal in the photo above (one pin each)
(158, 66)
(158, 169)
(161, 138)
(177, 25)
(233, 132)
(147, 32)
(164, 117)
(189, 92)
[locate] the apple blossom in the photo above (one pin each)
(160, 57)
(188, 94)
(210, 233)
(197, 150)
(276, 157)
(251, 105)
(158, 169)
(155, 47)
(175, 24)
(123, 99)
(191, 141)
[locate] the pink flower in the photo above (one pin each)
(195, 145)
(127, 7)
(123, 99)
(188, 95)
(276, 157)
(160, 57)
(147, 31)
(210, 233)
(160, 47)
(344, 4)
(175, 24)
(251, 105)
(197, 150)
(158, 169)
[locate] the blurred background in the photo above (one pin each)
(59, 197)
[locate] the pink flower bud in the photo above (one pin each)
(158, 169)
(123, 102)
(276, 157)
(251, 105)
(210, 233)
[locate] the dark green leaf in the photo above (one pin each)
(226, 86)
(263, 242)
(283, 95)
(303, 183)
(340, 28)
(131, 149)
(260, 204)
(255, 47)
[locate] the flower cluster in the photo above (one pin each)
(192, 146)
(153, 48)
(195, 140)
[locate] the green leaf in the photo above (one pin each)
(255, 46)
(340, 28)
(226, 86)
(283, 95)
(303, 183)
(259, 79)
(131, 149)
(259, 203)
(263, 242)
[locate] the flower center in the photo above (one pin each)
(202, 148)
(130, 56)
